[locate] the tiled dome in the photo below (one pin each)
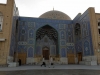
(55, 15)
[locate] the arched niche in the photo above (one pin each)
(47, 36)
(77, 29)
(30, 52)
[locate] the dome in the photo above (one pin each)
(55, 15)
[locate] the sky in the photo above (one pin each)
(35, 8)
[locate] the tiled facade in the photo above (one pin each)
(19, 35)
(85, 43)
(31, 25)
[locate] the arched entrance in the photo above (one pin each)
(46, 40)
(46, 53)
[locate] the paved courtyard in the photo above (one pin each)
(57, 70)
(52, 72)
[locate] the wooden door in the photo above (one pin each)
(79, 57)
(22, 56)
(46, 54)
(71, 58)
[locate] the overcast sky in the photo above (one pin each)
(34, 8)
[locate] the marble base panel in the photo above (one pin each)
(93, 62)
(76, 60)
(30, 61)
(63, 60)
(90, 60)
(13, 64)
(9, 59)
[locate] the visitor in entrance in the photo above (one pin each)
(43, 62)
(19, 62)
(51, 62)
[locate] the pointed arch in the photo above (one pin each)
(30, 52)
(46, 25)
(44, 35)
(48, 30)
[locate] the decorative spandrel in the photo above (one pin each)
(31, 24)
(62, 34)
(61, 26)
(31, 33)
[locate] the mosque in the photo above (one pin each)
(53, 34)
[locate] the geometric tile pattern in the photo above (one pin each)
(38, 50)
(61, 26)
(63, 52)
(30, 52)
(27, 28)
(52, 50)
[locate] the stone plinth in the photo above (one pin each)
(13, 64)
(63, 60)
(29, 60)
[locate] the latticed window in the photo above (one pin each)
(98, 23)
(99, 26)
(1, 21)
(99, 31)
(0, 27)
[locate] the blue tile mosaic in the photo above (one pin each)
(25, 39)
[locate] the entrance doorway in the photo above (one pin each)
(79, 55)
(71, 58)
(22, 56)
(46, 36)
(46, 54)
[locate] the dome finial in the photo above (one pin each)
(53, 8)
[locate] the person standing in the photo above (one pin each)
(43, 62)
(19, 62)
(51, 62)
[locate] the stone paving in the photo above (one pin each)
(57, 70)
(52, 72)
